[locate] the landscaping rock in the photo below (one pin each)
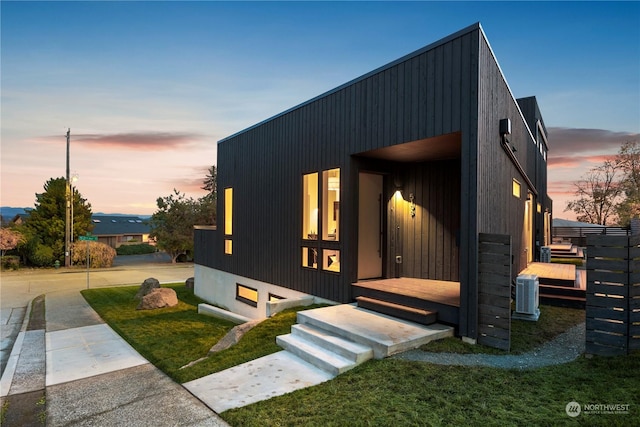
(147, 286)
(233, 336)
(189, 284)
(158, 298)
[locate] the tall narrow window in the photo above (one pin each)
(228, 220)
(310, 206)
(331, 204)
(515, 190)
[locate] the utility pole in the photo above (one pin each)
(67, 223)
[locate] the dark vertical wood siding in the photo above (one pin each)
(428, 93)
(427, 241)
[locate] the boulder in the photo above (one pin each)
(147, 286)
(158, 298)
(189, 284)
(233, 336)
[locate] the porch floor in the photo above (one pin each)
(554, 274)
(438, 291)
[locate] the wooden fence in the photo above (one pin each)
(613, 294)
(494, 291)
(578, 235)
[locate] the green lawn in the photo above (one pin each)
(387, 392)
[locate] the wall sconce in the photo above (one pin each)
(397, 182)
(412, 205)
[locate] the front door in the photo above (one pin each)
(370, 226)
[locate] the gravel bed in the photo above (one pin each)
(566, 347)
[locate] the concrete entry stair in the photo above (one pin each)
(348, 331)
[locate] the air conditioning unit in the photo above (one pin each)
(545, 254)
(527, 298)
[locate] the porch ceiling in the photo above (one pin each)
(441, 147)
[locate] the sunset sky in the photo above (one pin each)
(148, 88)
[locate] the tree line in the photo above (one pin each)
(40, 239)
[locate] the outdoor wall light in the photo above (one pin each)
(505, 127)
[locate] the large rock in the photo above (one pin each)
(147, 286)
(158, 298)
(233, 336)
(189, 284)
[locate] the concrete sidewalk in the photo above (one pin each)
(70, 368)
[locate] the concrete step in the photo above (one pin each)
(318, 356)
(385, 334)
(350, 350)
(418, 315)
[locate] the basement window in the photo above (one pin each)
(247, 295)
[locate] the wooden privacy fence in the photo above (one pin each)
(613, 294)
(494, 291)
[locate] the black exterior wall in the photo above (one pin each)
(452, 87)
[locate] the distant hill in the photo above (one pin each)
(8, 213)
(559, 222)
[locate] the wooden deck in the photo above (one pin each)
(425, 294)
(433, 290)
(553, 274)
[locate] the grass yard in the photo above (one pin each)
(390, 391)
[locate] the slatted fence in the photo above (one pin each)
(613, 294)
(494, 291)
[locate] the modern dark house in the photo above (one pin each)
(392, 175)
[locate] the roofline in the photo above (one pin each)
(400, 60)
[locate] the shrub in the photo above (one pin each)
(100, 254)
(10, 262)
(138, 249)
(42, 256)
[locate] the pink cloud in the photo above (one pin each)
(139, 141)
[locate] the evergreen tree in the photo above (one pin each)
(46, 223)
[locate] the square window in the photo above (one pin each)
(331, 260)
(516, 188)
(309, 257)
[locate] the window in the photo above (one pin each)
(309, 257)
(310, 206)
(321, 217)
(247, 295)
(228, 220)
(331, 204)
(275, 298)
(516, 189)
(331, 260)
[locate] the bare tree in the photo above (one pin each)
(598, 194)
(628, 161)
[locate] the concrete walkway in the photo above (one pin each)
(72, 369)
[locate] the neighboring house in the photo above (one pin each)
(393, 174)
(19, 219)
(115, 230)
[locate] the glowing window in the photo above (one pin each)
(331, 204)
(331, 260)
(309, 257)
(228, 246)
(247, 295)
(516, 189)
(228, 211)
(310, 206)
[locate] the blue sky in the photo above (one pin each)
(147, 88)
